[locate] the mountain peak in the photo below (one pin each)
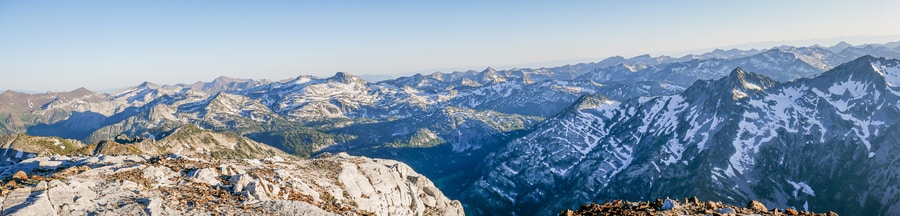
(590, 101)
(148, 84)
(747, 81)
(437, 75)
(225, 79)
(737, 72)
(841, 45)
(81, 90)
(867, 68)
(644, 56)
(344, 77)
(489, 70)
(838, 47)
(737, 85)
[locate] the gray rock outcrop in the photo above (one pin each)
(175, 185)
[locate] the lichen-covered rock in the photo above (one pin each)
(174, 185)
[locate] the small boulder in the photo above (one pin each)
(790, 211)
(726, 210)
(757, 206)
(20, 176)
(668, 204)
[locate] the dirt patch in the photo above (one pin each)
(134, 175)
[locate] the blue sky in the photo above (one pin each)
(63, 45)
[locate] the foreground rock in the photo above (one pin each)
(690, 206)
(175, 185)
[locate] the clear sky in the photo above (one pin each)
(63, 45)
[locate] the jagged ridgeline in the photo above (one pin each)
(516, 140)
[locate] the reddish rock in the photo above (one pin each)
(757, 206)
(790, 211)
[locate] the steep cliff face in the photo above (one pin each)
(175, 185)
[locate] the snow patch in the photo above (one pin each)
(737, 94)
(891, 73)
(801, 187)
(751, 86)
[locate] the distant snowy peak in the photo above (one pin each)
(738, 84)
(839, 47)
(749, 81)
(226, 84)
(145, 93)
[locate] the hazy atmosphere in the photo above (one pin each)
(63, 45)
(453, 108)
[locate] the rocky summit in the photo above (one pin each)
(176, 185)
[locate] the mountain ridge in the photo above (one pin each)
(624, 151)
(619, 122)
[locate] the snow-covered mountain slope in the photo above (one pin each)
(808, 142)
(547, 98)
(226, 84)
(780, 63)
(306, 96)
(347, 96)
(463, 129)
(18, 111)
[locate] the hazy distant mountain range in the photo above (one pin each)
(808, 127)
